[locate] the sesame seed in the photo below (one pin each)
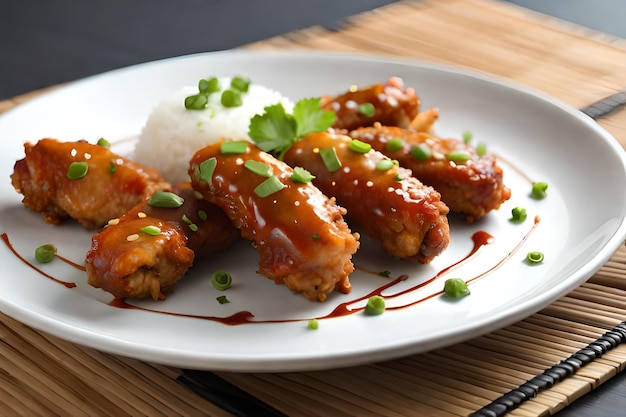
(133, 237)
(113, 222)
(142, 215)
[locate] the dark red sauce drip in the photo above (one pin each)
(241, 317)
(480, 239)
(71, 263)
(26, 262)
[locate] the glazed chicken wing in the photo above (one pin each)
(468, 183)
(382, 199)
(78, 180)
(389, 104)
(146, 251)
(302, 239)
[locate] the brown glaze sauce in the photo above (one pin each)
(480, 239)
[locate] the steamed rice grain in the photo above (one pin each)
(172, 134)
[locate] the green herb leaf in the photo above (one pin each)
(274, 130)
(311, 118)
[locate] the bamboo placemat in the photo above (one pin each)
(43, 375)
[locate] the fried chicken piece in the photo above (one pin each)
(111, 186)
(302, 239)
(146, 251)
(382, 199)
(389, 104)
(468, 183)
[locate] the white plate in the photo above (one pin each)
(582, 223)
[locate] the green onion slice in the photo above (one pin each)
(384, 165)
(356, 145)
(207, 169)
(240, 83)
(45, 253)
(222, 299)
(196, 102)
(421, 152)
(269, 187)
(231, 98)
(330, 158)
(150, 230)
(459, 156)
(221, 280)
(104, 143)
(77, 170)
(467, 136)
(394, 145)
(455, 288)
(518, 214)
(375, 305)
(208, 86)
(534, 257)
(233, 147)
(112, 167)
(301, 175)
(538, 190)
(313, 324)
(203, 215)
(367, 109)
(481, 149)
(165, 199)
(258, 167)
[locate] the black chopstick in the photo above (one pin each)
(554, 374)
(605, 105)
(226, 395)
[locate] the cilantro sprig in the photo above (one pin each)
(275, 130)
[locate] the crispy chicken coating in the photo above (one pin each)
(110, 187)
(302, 239)
(389, 104)
(148, 250)
(382, 199)
(468, 183)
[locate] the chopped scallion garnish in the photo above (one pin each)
(394, 145)
(258, 167)
(421, 152)
(301, 175)
(150, 230)
(375, 305)
(518, 214)
(459, 156)
(313, 324)
(240, 83)
(538, 190)
(104, 143)
(77, 170)
(233, 147)
(166, 199)
(221, 280)
(481, 149)
(356, 145)
(330, 158)
(231, 98)
(207, 169)
(222, 299)
(196, 102)
(467, 136)
(367, 109)
(534, 257)
(456, 288)
(208, 86)
(269, 187)
(384, 165)
(45, 253)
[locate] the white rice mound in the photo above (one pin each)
(172, 134)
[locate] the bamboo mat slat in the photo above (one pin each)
(43, 375)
